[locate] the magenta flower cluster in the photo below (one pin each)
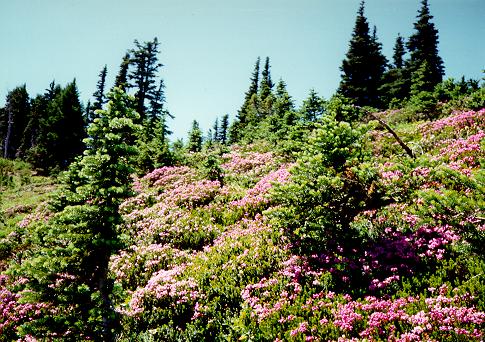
(168, 207)
(439, 316)
(463, 154)
(461, 122)
(13, 311)
(238, 162)
(259, 193)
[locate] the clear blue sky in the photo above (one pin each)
(208, 47)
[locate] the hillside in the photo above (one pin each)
(352, 239)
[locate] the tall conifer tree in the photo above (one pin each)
(17, 113)
(423, 47)
(144, 59)
(195, 138)
(399, 52)
(59, 125)
(266, 82)
(99, 97)
(72, 126)
(68, 269)
(216, 132)
(363, 66)
(244, 114)
(396, 80)
(313, 107)
(122, 77)
(31, 132)
(224, 129)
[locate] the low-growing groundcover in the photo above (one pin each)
(353, 240)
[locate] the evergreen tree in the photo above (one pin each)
(396, 80)
(423, 47)
(399, 52)
(153, 139)
(282, 115)
(244, 114)
(71, 127)
(31, 132)
(363, 66)
(283, 101)
(59, 124)
(266, 83)
(223, 133)
(266, 100)
(313, 107)
(210, 137)
(122, 77)
(68, 271)
(3, 128)
(99, 97)
(422, 79)
(157, 103)
(195, 138)
(49, 117)
(53, 90)
(216, 132)
(143, 77)
(16, 116)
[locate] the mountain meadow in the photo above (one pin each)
(355, 218)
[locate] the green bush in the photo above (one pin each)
(330, 184)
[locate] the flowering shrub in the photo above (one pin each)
(13, 311)
(459, 124)
(336, 247)
(259, 193)
(463, 154)
(133, 267)
(253, 162)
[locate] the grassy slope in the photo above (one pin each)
(24, 195)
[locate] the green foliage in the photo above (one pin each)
(243, 116)
(343, 109)
(331, 183)
(259, 104)
(422, 105)
(363, 66)
(121, 80)
(99, 96)
(195, 138)
(224, 133)
(313, 107)
(266, 85)
(6, 173)
(56, 129)
(399, 52)
(14, 121)
(212, 169)
(68, 269)
(142, 77)
(153, 147)
(423, 47)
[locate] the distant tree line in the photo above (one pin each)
(49, 130)
(370, 80)
(414, 78)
